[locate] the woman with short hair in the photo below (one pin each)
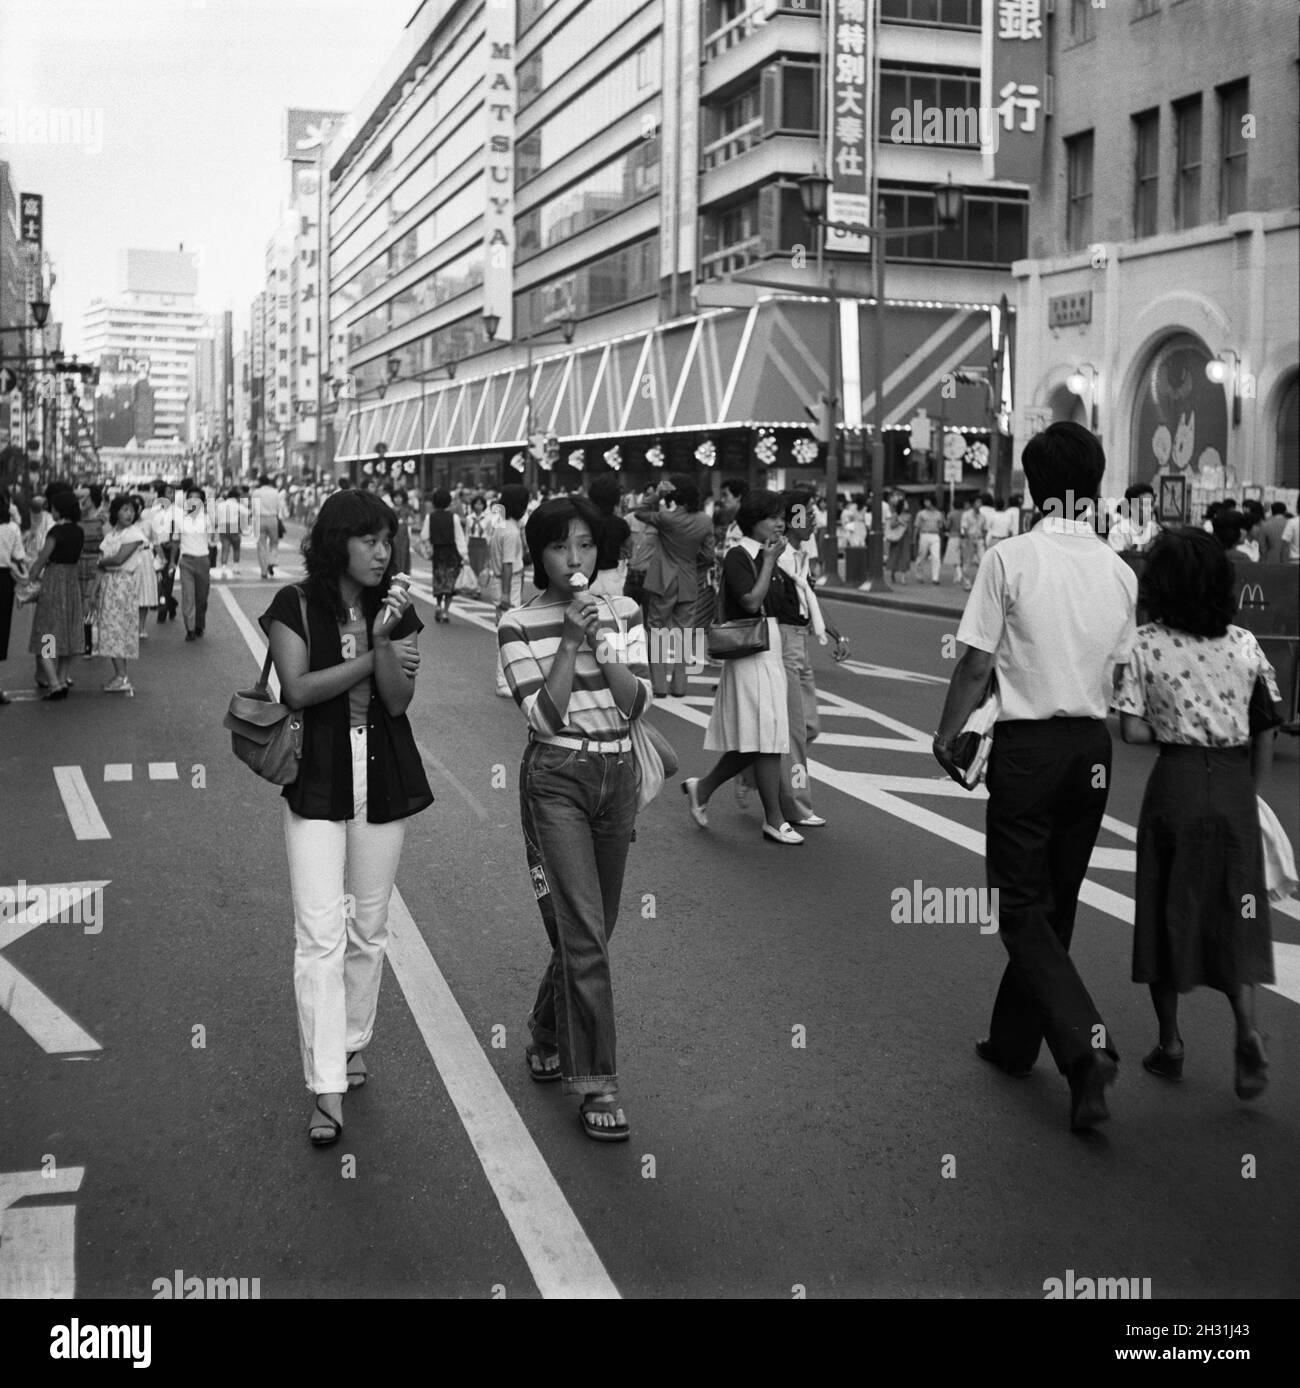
(351, 672)
(576, 666)
(445, 537)
(117, 595)
(58, 624)
(750, 724)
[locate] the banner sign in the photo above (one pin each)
(850, 71)
(499, 163)
(305, 132)
(33, 218)
(1014, 78)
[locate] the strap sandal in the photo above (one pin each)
(603, 1103)
(1252, 1067)
(541, 1072)
(356, 1078)
(322, 1136)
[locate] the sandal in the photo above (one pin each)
(332, 1133)
(603, 1103)
(356, 1078)
(1252, 1068)
(543, 1074)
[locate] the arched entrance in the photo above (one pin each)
(1180, 417)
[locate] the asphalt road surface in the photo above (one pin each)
(796, 1064)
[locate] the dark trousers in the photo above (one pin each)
(1048, 783)
(6, 609)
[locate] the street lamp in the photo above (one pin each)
(1218, 370)
(1077, 383)
(814, 194)
(40, 307)
(567, 326)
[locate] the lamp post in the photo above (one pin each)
(1077, 383)
(567, 327)
(814, 191)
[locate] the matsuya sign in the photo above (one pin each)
(499, 163)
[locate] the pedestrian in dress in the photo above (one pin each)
(1203, 690)
(352, 673)
(1051, 613)
(58, 624)
(898, 532)
(750, 723)
(146, 565)
(444, 534)
(94, 522)
(117, 595)
(13, 566)
(478, 530)
(577, 796)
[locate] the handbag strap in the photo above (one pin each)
(264, 680)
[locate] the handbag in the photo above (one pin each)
(265, 735)
(1263, 714)
(1279, 861)
(27, 590)
(970, 749)
(280, 527)
(736, 639)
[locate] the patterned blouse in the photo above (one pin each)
(1194, 690)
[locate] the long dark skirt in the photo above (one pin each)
(6, 609)
(1202, 914)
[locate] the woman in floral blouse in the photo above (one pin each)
(1202, 905)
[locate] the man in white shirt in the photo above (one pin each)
(1291, 541)
(1136, 526)
(197, 536)
(1051, 612)
(268, 511)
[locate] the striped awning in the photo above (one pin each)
(726, 369)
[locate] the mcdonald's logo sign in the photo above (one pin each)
(1252, 596)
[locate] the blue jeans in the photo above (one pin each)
(578, 810)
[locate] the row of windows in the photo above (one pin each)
(579, 35)
(1234, 100)
(455, 342)
(439, 226)
(1083, 20)
(622, 277)
(611, 188)
(455, 277)
(624, 86)
(961, 14)
(902, 89)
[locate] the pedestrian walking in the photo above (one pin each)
(268, 512)
(505, 564)
(577, 797)
(478, 530)
(352, 673)
(1000, 520)
(675, 579)
(1271, 549)
(94, 521)
(929, 538)
(41, 522)
(644, 544)
(402, 537)
(197, 537)
(1136, 527)
(164, 519)
(750, 721)
(444, 534)
(146, 565)
(952, 541)
(898, 530)
(117, 594)
(228, 523)
(1203, 690)
(1052, 613)
(613, 539)
(974, 529)
(58, 624)
(13, 566)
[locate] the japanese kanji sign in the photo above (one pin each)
(850, 90)
(32, 218)
(1015, 85)
(499, 164)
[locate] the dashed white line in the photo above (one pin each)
(163, 771)
(118, 771)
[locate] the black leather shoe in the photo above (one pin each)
(1168, 1067)
(190, 636)
(984, 1049)
(1088, 1091)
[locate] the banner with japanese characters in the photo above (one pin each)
(33, 218)
(850, 85)
(499, 164)
(1015, 84)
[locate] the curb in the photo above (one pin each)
(890, 604)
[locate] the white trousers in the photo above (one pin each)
(927, 551)
(341, 873)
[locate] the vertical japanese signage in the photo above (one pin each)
(259, 329)
(1015, 85)
(33, 219)
(499, 165)
(850, 89)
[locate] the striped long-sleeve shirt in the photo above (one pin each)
(529, 638)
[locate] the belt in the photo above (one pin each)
(584, 744)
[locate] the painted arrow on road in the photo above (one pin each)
(35, 905)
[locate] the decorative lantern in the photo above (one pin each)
(706, 454)
(409, 465)
(578, 459)
(368, 469)
(517, 462)
(805, 451)
(977, 456)
(655, 456)
(765, 448)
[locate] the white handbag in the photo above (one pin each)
(1279, 861)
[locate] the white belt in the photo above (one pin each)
(586, 744)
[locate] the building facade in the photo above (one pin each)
(153, 322)
(1158, 302)
(601, 168)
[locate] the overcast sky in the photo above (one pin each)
(187, 97)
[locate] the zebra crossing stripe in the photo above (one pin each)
(83, 813)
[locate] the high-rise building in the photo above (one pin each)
(1159, 295)
(604, 164)
(154, 321)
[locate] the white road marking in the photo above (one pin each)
(38, 1243)
(1289, 906)
(887, 672)
(252, 636)
(561, 1258)
(83, 813)
(118, 771)
(559, 1255)
(1286, 968)
(163, 771)
(42, 1019)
